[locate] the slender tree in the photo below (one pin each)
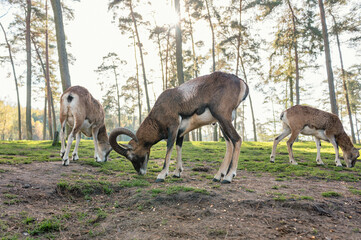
(29, 133)
(61, 45)
(331, 85)
(16, 81)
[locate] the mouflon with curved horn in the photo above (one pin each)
(198, 102)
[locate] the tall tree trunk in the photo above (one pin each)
(141, 55)
(238, 52)
(179, 56)
(47, 75)
(29, 133)
(290, 79)
(178, 42)
(118, 95)
(331, 85)
(250, 103)
(44, 117)
(16, 81)
(137, 78)
(215, 129)
(166, 62)
(296, 53)
(60, 39)
(344, 83)
(357, 130)
(195, 64)
(161, 57)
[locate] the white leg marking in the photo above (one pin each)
(179, 167)
(318, 145)
(62, 139)
(335, 146)
(95, 140)
(233, 170)
(285, 133)
(226, 161)
(161, 176)
(75, 151)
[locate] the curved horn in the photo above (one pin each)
(113, 140)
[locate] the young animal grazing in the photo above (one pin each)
(320, 124)
(177, 111)
(84, 114)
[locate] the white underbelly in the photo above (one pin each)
(319, 133)
(196, 121)
(85, 128)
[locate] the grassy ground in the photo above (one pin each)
(95, 194)
(254, 157)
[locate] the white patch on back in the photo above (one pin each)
(196, 121)
(243, 88)
(189, 89)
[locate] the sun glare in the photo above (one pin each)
(165, 14)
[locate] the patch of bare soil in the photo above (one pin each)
(251, 207)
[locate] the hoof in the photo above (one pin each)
(338, 165)
(65, 163)
(225, 182)
(176, 176)
(215, 180)
(159, 180)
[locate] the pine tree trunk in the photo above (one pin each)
(16, 81)
(141, 55)
(137, 78)
(29, 132)
(331, 85)
(118, 95)
(296, 53)
(47, 75)
(44, 117)
(165, 86)
(60, 39)
(344, 83)
(250, 103)
(357, 130)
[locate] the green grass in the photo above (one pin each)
(331, 194)
(254, 157)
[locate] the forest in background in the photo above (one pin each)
(304, 37)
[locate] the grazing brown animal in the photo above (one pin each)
(84, 114)
(200, 101)
(320, 124)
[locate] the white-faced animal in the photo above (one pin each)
(320, 124)
(83, 114)
(200, 101)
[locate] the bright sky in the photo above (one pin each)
(93, 35)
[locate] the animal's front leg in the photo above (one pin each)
(179, 167)
(335, 146)
(170, 142)
(95, 140)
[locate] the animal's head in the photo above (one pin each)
(351, 157)
(133, 151)
(104, 147)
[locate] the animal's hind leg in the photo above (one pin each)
(226, 161)
(75, 151)
(234, 163)
(290, 142)
(318, 145)
(236, 141)
(277, 140)
(62, 138)
(179, 168)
